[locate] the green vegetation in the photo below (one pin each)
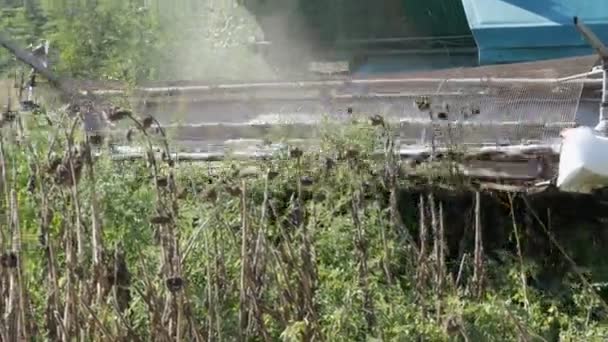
(137, 40)
(327, 245)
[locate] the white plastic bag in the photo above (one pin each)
(583, 162)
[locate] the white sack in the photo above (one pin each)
(583, 163)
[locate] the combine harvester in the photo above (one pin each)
(509, 117)
(507, 113)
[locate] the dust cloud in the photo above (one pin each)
(232, 40)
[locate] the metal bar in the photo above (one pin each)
(502, 153)
(579, 76)
(402, 39)
(393, 52)
(218, 137)
(602, 50)
(335, 83)
(591, 38)
(602, 125)
(29, 59)
(311, 99)
(405, 121)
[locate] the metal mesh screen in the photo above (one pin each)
(496, 112)
(488, 105)
(504, 104)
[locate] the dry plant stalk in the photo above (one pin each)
(438, 250)
(97, 245)
(391, 176)
(442, 246)
(308, 278)
(478, 271)
(524, 285)
(243, 307)
(436, 240)
(14, 310)
(422, 270)
(173, 318)
(360, 241)
(258, 267)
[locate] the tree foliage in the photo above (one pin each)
(113, 41)
(138, 40)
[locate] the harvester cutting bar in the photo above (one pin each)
(342, 83)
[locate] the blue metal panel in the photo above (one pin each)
(410, 63)
(508, 31)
